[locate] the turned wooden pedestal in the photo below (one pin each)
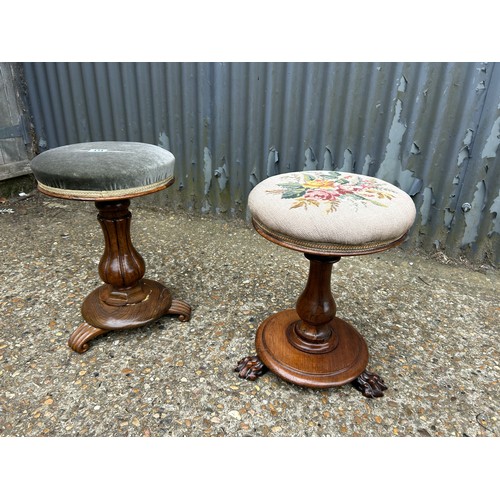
(126, 300)
(309, 345)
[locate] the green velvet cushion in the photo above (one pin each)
(103, 167)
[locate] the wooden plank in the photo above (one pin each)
(11, 113)
(16, 169)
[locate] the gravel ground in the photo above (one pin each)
(432, 329)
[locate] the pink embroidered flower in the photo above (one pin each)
(322, 194)
(346, 189)
(351, 188)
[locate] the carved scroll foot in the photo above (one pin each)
(370, 385)
(183, 309)
(79, 339)
(250, 368)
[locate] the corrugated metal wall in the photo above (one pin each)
(431, 128)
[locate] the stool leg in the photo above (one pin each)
(310, 346)
(370, 385)
(80, 338)
(250, 368)
(126, 300)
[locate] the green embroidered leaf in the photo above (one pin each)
(376, 202)
(291, 185)
(343, 181)
(294, 194)
(330, 174)
(364, 200)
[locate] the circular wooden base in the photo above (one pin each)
(337, 367)
(110, 317)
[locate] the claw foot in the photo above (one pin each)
(183, 309)
(79, 339)
(370, 385)
(250, 368)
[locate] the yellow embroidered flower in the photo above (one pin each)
(318, 184)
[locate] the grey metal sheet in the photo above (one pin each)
(422, 126)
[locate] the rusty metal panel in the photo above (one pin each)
(430, 128)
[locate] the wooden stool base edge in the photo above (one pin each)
(335, 368)
(101, 317)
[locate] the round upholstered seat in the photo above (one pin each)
(331, 213)
(103, 170)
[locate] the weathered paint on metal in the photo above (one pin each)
(15, 129)
(431, 128)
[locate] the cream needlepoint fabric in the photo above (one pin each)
(331, 207)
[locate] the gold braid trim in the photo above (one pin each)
(324, 248)
(78, 194)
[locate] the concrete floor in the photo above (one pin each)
(432, 329)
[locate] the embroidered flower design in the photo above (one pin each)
(330, 188)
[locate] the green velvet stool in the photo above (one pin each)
(109, 174)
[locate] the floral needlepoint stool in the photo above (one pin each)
(326, 215)
(110, 173)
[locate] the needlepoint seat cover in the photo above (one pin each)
(103, 170)
(331, 213)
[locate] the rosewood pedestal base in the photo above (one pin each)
(311, 347)
(126, 300)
